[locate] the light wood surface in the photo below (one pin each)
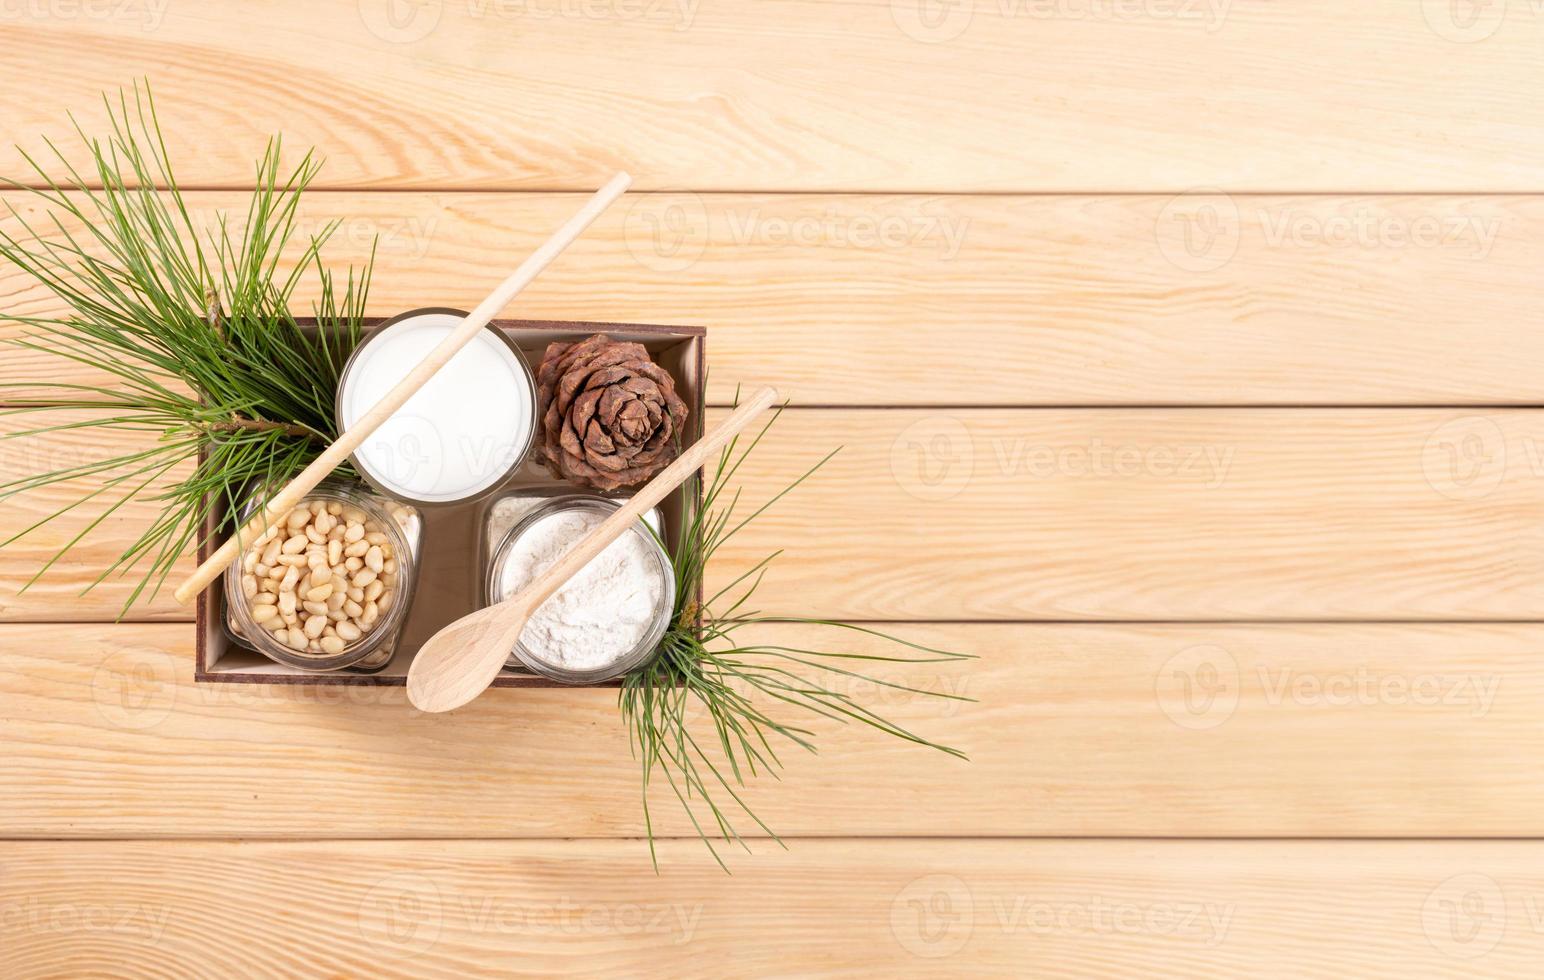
(990, 300)
(1185, 360)
(980, 95)
(991, 907)
(1315, 730)
(1055, 514)
(458, 663)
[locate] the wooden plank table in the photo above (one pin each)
(1182, 356)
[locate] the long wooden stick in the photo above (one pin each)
(337, 453)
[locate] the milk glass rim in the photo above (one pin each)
(516, 461)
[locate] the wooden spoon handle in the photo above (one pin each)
(651, 493)
(336, 454)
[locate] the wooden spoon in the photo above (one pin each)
(461, 660)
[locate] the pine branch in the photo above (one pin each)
(192, 326)
(701, 665)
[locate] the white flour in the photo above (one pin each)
(604, 611)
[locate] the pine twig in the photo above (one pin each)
(213, 313)
(238, 424)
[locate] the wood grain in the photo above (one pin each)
(1128, 730)
(98, 529)
(1117, 514)
(926, 300)
(813, 95)
(841, 908)
(882, 207)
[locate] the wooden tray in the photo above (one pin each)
(452, 552)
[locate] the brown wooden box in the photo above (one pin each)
(452, 555)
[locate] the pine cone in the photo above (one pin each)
(610, 416)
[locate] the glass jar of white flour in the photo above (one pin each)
(610, 617)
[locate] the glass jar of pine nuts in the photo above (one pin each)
(327, 586)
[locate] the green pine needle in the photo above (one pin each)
(193, 327)
(740, 685)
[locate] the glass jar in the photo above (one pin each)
(498, 585)
(373, 649)
(466, 430)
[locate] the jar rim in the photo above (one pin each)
(258, 639)
(517, 459)
(648, 645)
